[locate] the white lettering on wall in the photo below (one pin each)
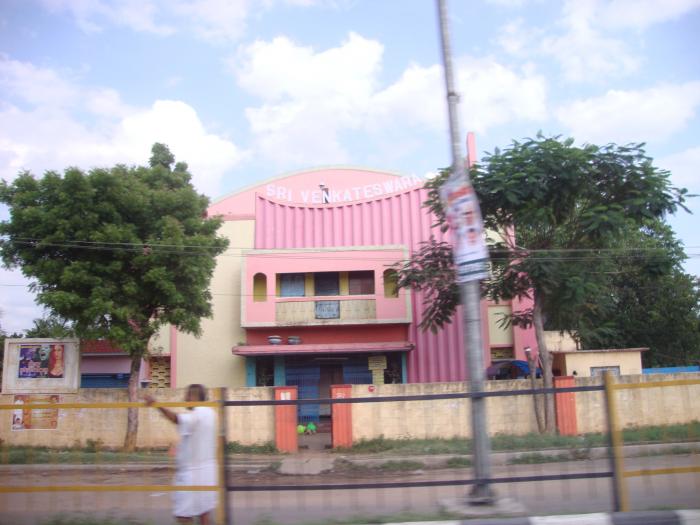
(333, 195)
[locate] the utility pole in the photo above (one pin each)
(470, 292)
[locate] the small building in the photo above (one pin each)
(590, 363)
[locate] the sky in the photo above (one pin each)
(245, 90)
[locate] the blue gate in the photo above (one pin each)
(306, 378)
(357, 373)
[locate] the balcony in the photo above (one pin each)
(324, 310)
(322, 287)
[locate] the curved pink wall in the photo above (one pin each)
(398, 219)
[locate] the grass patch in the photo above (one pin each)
(663, 434)
(408, 446)
(89, 520)
(24, 455)
(536, 458)
(402, 465)
(234, 447)
(458, 461)
(400, 517)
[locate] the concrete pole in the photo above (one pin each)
(470, 293)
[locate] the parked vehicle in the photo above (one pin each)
(510, 369)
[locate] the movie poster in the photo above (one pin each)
(41, 361)
(37, 418)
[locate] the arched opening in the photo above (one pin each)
(260, 288)
(391, 279)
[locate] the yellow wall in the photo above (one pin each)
(208, 359)
(498, 335)
(630, 363)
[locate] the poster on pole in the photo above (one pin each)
(464, 217)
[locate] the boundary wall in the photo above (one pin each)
(247, 425)
(435, 418)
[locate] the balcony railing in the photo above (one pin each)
(324, 310)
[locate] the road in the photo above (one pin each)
(548, 497)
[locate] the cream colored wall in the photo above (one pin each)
(497, 334)
(401, 419)
(438, 418)
(208, 359)
(247, 425)
(630, 363)
(514, 415)
(559, 342)
(639, 407)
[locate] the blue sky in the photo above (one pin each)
(244, 90)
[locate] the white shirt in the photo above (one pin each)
(197, 429)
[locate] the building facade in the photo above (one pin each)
(306, 293)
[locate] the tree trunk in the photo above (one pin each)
(535, 399)
(132, 414)
(546, 359)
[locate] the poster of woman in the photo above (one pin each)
(41, 361)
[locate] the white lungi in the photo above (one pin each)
(196, 462)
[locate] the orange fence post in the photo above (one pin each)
(286, 439)
(341, 417)
(567, 424)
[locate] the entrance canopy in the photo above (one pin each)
(334, 348)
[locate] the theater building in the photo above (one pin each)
(306, 293)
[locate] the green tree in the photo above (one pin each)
(118, 252)
(652, 302)
(50, 326)
(551, 207)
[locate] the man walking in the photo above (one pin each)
(196, 457)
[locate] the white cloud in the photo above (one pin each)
(586, 41)
(583, 52)
(685, 169)
(310, 97)
(35, 85)
(217, 21)
(17, 306)
(90, 15)
(640, 14)
(653, 114)
(281, 68)
(54, 135)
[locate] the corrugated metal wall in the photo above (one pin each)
(399, 219)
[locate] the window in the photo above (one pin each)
(260, 288)
(391, 279)
(327, 283)
(361, 283)
(292, 284)
(600, 370)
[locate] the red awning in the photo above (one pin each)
(335, 348)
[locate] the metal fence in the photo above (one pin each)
(252, 493)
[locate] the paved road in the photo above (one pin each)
(573, 496)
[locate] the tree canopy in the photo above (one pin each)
(553, 210)
(119, 252)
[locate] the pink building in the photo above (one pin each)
(316, 298)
